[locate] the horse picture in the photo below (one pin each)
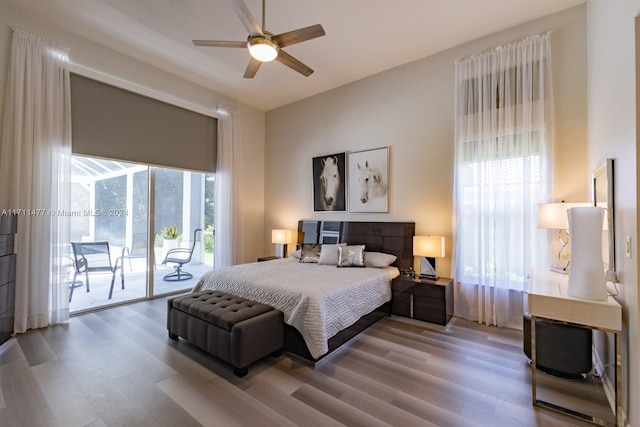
(371, 183)
(368, 181)
(329, 183)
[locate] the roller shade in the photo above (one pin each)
(117, 124)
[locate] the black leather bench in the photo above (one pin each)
(234, 329)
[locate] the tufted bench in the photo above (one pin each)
(234, 329)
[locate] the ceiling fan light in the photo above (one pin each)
(262, 49)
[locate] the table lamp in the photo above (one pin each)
(428, 248)
(281, 238)
(553, 216)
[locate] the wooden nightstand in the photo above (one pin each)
(423, 299)
(267, 258)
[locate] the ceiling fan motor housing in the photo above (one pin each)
(262, 48)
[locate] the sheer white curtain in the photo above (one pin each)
(229, 237)
(503, 169)
(35, 172)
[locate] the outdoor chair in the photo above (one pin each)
(138, 249)
(94, 257)
(180, 256)
(68, 265)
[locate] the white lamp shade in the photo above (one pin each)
(554, 215)
(281, 236)
(429, 246)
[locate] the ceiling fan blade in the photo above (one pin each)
(291, 62)
(246, 17)
(219, 43)
(300, 35)
(252, 68)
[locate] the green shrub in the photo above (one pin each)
(209, 239)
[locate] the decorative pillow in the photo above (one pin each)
(310, 252)
(378, 259)
(297, 254)
(351, 256)
(329, 254)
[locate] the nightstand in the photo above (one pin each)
(422, 299)
(267, 258)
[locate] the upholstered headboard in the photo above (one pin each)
(394, 238)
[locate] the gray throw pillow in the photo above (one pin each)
(310, 252)
(351, 256)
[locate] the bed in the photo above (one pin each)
(324, 306)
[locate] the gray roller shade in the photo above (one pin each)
(117, 124)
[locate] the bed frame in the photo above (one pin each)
(394, 238)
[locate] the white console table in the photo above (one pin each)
(548, 299)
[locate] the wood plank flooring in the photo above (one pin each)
(117, 367)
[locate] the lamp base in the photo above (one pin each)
(281, 250)
(428, 268)
(560, 270)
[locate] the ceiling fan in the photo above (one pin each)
(263, 45)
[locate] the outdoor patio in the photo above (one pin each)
(135, 284)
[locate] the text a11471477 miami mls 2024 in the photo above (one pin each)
(65, 212)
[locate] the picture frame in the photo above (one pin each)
(329, 187)
(368, 180)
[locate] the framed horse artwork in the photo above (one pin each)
(369, 180)
(329, 175)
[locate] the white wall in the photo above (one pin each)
(85, 54)
(410, 108)
(612, 130)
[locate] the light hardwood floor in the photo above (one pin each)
(117, 367)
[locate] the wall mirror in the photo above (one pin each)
(602, 196)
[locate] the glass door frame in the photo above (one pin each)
(191, 219)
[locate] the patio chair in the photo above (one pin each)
(95, 257)
(180, 256)
(138, 248)
(69, 264)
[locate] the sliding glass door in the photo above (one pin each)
(182, 205)
(132, 208)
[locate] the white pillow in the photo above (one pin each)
(297, 254)
(378, 259)
(329, 254)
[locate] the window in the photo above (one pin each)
(118, 198)
(502, 172)
(487, 217)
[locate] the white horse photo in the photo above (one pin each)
(330, 183)
(371, 182)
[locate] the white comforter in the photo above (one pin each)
(318, 300)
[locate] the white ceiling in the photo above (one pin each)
(363, 37)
